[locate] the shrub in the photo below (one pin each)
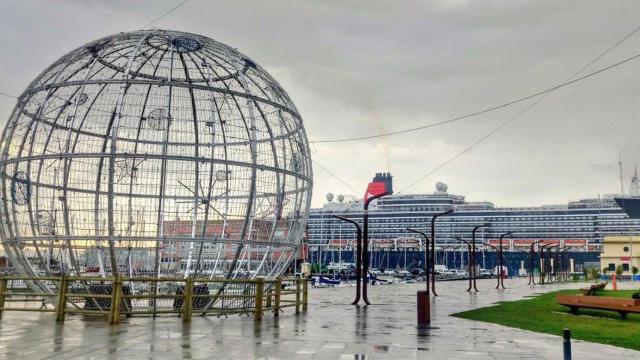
(595, 274)
(634, 270)
(619, 270)
(636, 295)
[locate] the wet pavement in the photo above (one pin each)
(331, 329)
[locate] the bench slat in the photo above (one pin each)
(599, 302)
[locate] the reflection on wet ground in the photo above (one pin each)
(331, 329)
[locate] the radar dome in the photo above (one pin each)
(329, 197)
(340, 198)
(441, 187)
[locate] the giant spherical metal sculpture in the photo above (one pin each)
(154, 152)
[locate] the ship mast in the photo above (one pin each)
(621, 181)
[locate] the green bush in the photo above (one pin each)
(634, 270)
(636, 295)
(619, 270)
(595, 274)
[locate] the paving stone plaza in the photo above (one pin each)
(331, 329)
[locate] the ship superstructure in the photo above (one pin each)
(581, 224)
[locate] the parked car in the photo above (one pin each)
(389, 272)
(447, 273)
(484, 273)
(439, 268)
(460, 273)
(402, 273)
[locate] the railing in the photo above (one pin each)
(138, 296)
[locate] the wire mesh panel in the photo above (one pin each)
(229, 298)
(154, 153)
(154, 297)
(18, 295)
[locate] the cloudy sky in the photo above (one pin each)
(364, 67)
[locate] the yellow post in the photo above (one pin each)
(116, 297)
(187, 302)
(297, 295)
(305, 292)
(267, 305)
(3, 289)
(62, 298)
(257, 314)
(276, 310)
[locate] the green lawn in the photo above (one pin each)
(543, 314)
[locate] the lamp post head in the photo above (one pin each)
(418, 232)
(506, 234)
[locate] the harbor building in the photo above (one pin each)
(620, 251)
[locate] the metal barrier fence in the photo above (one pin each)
(114, 297)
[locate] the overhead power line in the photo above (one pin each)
(8, 95)
(166, 13)
(539, 100)
(483, 111)
(336, 177)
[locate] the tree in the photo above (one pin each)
(634, 270)
(619, 270)
(595, 273)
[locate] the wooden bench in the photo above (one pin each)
(622, 305)
(593, 289)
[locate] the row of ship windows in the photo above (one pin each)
(496, 219)
(581, 232)
(520, 231)
(515, 222)
(515, 227)
(469, 226)
(489, 217)
(493, 229)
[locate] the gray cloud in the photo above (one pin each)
(355, 68)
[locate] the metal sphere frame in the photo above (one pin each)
(154, 152)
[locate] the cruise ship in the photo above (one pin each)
(579, 225)
(631, 204)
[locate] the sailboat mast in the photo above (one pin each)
(621, 181)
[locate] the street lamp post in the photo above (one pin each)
(365, 243)
(551, 277)
(557, 264)
(423, 298)
(469, 271)
(543, 263)
(433, 248)
(500, 255)
(497, 250)
(358, 256)
(563, 263)
(529, 256)
(473, 256)
(532, 253)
